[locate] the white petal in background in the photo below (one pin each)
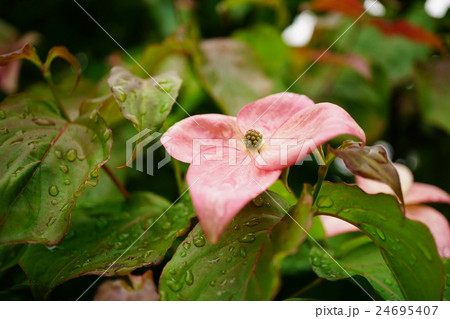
(300, 32)
(437, 8)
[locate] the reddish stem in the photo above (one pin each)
(116, 181)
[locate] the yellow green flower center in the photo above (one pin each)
(253, 139)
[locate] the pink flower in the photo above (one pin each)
(414, 194)
(234, 159)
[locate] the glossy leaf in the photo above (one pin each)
(370, 162)
(231, 74)
(145, 103)
(244, 264)
(46, 163)
(98, 238)
(407, 246)
(358, 256)
(141, 288)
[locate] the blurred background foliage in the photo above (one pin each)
(390, 70)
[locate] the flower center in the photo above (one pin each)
(253, 139)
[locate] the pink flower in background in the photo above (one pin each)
(414, 195)
(233, 159)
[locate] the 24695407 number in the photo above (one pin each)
(406, 310)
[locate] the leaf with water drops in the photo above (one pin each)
(231, 73)
(45, 165)
(244, 264)
(145, 103)
(407, 246)
(370, 162)
(357, 255)
(113, 239)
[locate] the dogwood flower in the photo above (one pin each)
(235, 159)
(414, 195)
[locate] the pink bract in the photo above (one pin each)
(225, 175)
(414, 194)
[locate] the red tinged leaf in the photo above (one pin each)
(351, 8)
(408, 30)
(27, 52)
(63, 53)
(357, 63)
(370, 162)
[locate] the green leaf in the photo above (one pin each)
(231, 73)
(98, 238)
(280, 189)
(432, 86)
(447, 286)
(245, 263)
(45, 165)
(370, 162)
(279, 6)
(267, 43)
(407, 246)
(358, 256)
(145, 103)
(10, 255)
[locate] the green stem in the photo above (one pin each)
(323, 170)
(178, 178)
(311, 285)
(49, 80)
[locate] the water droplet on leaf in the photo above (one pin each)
(173, 272)
(199, 241)
(43, 122)
(174, 285)
(249, 238)
(71, 155)
(106, 134)
(380, 234)
(258, 201)
(243, 252)
(325, 202)
(425, 252)
(189, 279)
(53, 190)
(252, 222)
